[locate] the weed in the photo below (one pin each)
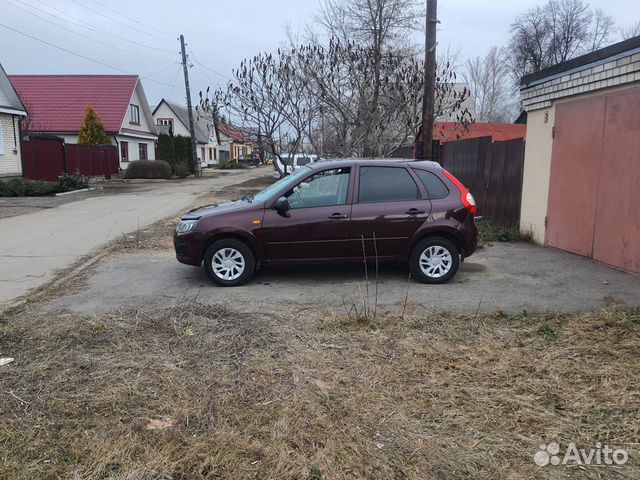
(493, 232)
(548, 331)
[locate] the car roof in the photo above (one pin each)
(377, 162)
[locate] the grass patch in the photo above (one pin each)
(203, 391)
(492, 232)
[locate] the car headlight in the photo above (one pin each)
(185, 226)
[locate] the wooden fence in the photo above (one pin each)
(47, 158)
(492, 171)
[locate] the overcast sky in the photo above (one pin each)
(141, 37)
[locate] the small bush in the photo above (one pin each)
(69, 183)
(229, 165)
(21, 187)
(149, 169)
(181, 170)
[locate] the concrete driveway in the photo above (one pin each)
(510, 277)
(35, 245)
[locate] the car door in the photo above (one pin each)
(387, 211)
(317, 224)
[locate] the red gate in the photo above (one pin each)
(43, 158)
(47, 158)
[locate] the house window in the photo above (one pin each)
(124, 151)
(215, 153)
(142, 149)
(135, 114)
(167, 122)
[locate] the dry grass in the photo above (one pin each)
(205, 392)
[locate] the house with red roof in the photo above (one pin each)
(234, 143)
(12, 111)
(56, 106)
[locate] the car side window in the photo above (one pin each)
(435, 187)
(323, 189)
(386, 184)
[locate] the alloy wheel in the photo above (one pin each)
(435, 261)
(228, 263)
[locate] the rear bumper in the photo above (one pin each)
(471, 236)
(188, 248)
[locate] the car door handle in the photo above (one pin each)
(338, 216)
(414, 211)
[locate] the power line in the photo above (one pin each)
(88, 26)
(162, 69)
(102, 14)
(80, 34)
(132, 19)
(208, 68)
(77, 54)
(165, 89)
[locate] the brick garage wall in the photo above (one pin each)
(606, 74)
(10, 163)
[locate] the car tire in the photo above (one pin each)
(434, 260)
(229, 262)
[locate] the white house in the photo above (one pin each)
(56, 105)
(11, 112)
(175, 118)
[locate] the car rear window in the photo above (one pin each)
(435, 187)
(386, 184)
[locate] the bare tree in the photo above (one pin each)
(268, 95)
(550, 34)
(352, 89)
(377, 24)
(493, 94)
(603, 27)
(630, 31)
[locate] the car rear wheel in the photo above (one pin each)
(434, 260)
(229, 262)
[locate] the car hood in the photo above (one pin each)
(215, 209)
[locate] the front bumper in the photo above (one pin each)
(188, 248)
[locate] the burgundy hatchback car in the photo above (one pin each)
(337, 211)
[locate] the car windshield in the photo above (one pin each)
(288, 181)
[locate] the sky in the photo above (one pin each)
(141, 37)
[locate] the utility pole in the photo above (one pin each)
(429, 80)
(192, 130)
(321, 133)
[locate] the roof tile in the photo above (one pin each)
(56, 103)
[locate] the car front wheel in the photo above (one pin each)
(434, 260)
(229, 262)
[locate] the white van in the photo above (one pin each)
(293, 162)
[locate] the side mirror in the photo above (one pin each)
(281, 205)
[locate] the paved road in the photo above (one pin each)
(510, 277)
(35, 245)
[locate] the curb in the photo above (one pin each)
(67, 276)
(62, 194)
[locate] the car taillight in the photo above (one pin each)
(465, 195)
